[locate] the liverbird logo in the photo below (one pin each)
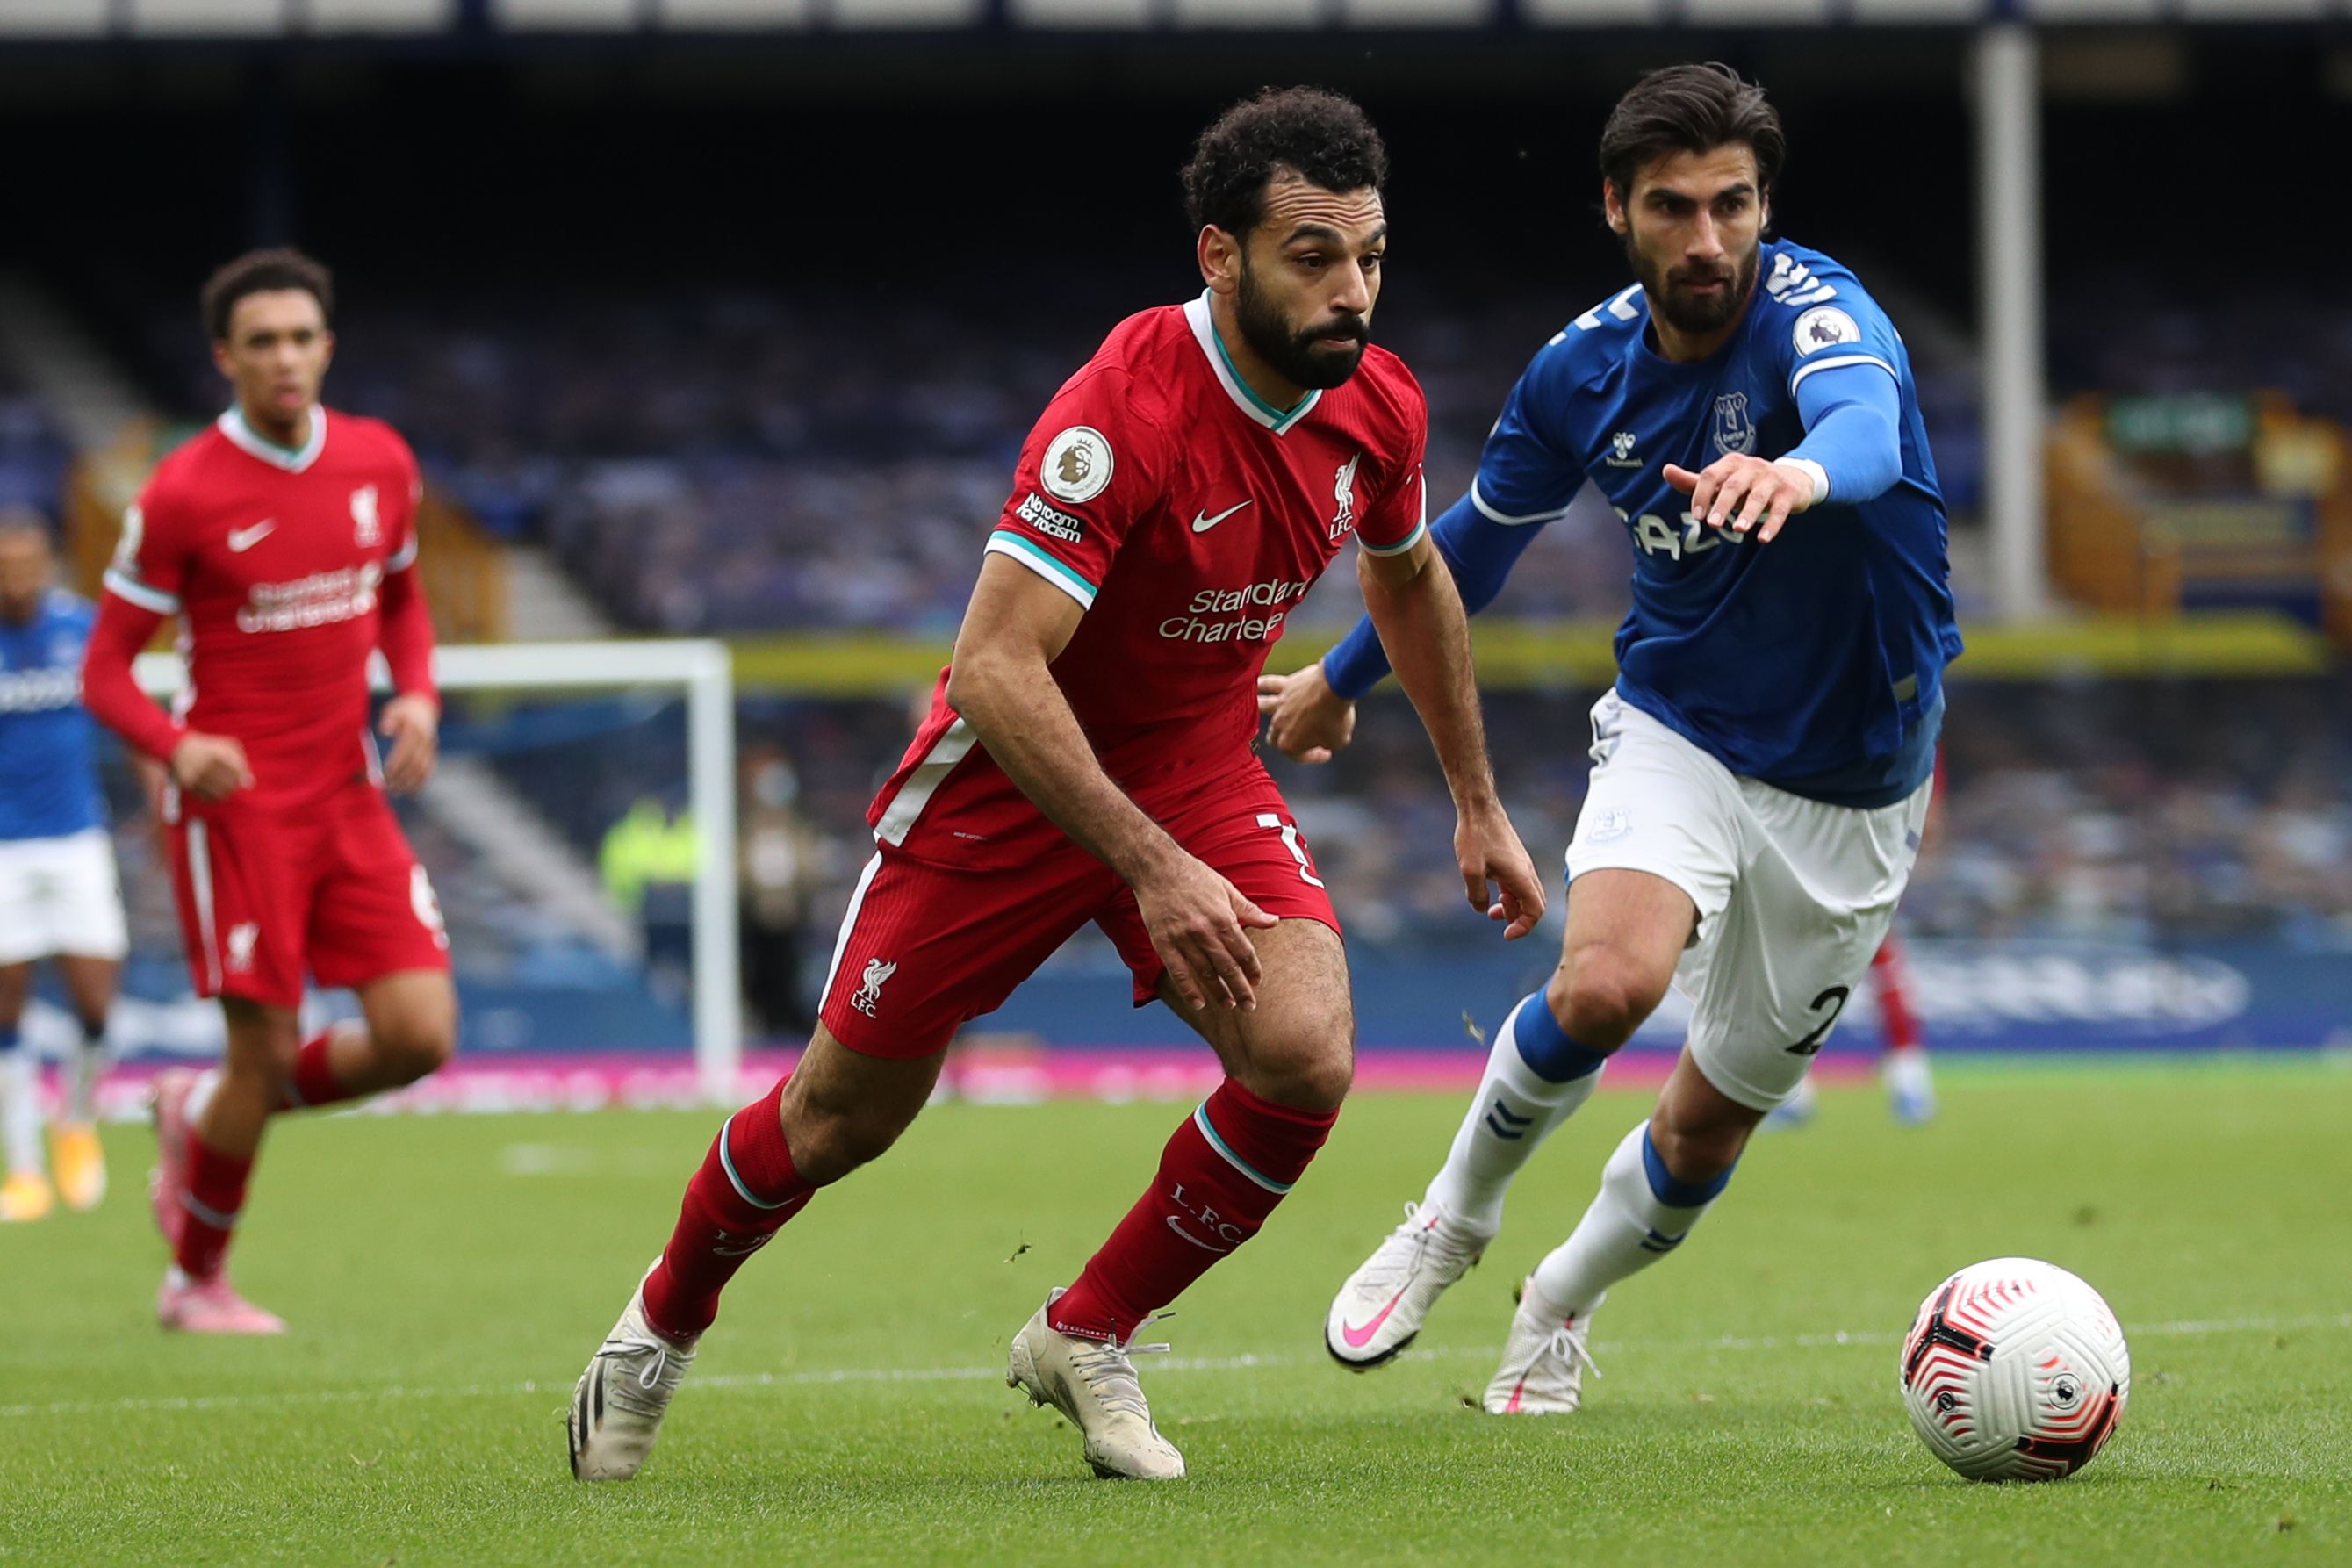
(1343, 493)
(367, 524)
(869, 993)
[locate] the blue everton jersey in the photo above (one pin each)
(1814, 662)
(48, 768)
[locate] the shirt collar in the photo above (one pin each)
(247, 439)
(1204, 331)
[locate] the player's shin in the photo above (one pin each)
(1219, 1179)
(20, 1105)
(214, 1199)
(1536, 1079)
(1641, 1214)
(88, 1069)
(745, 1191)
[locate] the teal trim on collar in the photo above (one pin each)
(1282, 418)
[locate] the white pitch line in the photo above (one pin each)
(1844, 1338)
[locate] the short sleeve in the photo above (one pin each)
(150, 565)
(1090, 469)
(1819, 319)
(410, 489)
(1399, 515)
(1528, 473)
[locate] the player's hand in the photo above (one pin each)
(1495, 870)
(413, 724)
(210, 767)
(1307, 721)
(1747, 493)
(1199, 925)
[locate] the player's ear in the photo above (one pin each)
(1220, 259)
(221, 361)
(1612, 206)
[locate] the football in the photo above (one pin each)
(2015, 1370)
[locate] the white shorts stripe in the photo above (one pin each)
(848, 922)
(200, 892)
(953, 745)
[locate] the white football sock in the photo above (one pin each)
(1628, 1227)
(90, 1060)
(1512, 1113)
(20, 1110)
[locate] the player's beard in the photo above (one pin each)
(1692, 313)
(1303, 359)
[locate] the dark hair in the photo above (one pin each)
(1690, 109)
(259, 272)
(1317, 135)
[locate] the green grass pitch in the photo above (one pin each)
(447, 1278)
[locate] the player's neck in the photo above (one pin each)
(1689, 348)
(291, 434)
(1274, 389)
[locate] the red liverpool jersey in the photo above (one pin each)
(1189, 517)
(274, 560)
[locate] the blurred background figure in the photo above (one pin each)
(59, 898)
(778, 877)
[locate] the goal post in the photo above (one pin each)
(703, 670)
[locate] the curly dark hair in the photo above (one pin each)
(260, 272)
(1320, 136)
(1690, 109)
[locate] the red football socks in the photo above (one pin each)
(745, 1191)
(1220, 1177)
(215, 1194)
(1896, 1020)
(313, 1082)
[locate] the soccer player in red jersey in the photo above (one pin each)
(284, 538)
(1089, 757)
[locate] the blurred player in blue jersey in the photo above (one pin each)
(1761, 769)
(58, 898)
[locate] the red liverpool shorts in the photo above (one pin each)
(924, 947)
(331, 887)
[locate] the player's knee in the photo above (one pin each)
(828, 1138)
(1315, 1077)
(1600, 999)
(417, 1050)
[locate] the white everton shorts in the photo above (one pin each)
(60, 896)
(1794, 896)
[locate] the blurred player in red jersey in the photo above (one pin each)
(284, 538)
(1088, 758)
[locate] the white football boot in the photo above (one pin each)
(1383, 1303)
(1093, 1382)
(617, 1407)
(1544, 1361)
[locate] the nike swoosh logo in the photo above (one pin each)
(1358, 1337)
(1171, 1218)
(241, 540)
(1202, 522)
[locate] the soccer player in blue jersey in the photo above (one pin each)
(1761, 768)
(58, 898)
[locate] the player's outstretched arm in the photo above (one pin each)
(1418, 612)
(1001, 685)
(1312, 714)
(209, 766)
